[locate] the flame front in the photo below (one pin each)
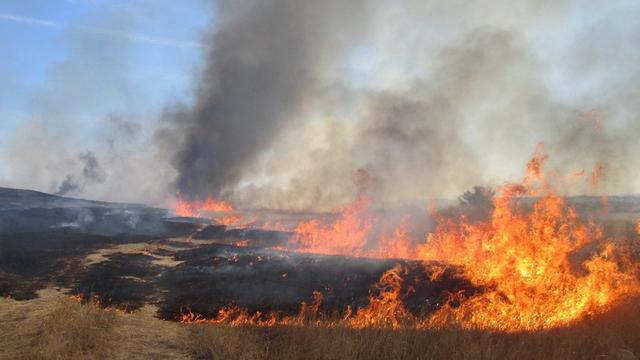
(352, 234)
(346, 236)
(185, 208)
(538, 265)
(523, 259)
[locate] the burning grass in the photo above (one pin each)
(613, 336)
(529, 279)
(523, 258)
(56, 327)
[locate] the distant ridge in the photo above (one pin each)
(16, 199)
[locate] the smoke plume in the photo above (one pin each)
(294, 99)
(91, 173)
(265, 65)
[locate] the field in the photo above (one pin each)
(91, 280)
(55, 326)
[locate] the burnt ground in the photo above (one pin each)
(128, 255)
(216, 275)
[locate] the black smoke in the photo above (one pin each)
(266, 62)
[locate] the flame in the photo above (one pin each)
(346, 236)
(538, 265)
(397, 245)
(241, 243)
(237, 316)
(228, 220)
(351, 234)
(214, 205)
(185, 208)
(385, 310)
(523, 259)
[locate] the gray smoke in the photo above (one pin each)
(91, 168)
(429, 98)
(91, 173)
(120, 130)
(470, 111)
(86, 130)
(266, 64)
(70, 184)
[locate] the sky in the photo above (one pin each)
(162, 41)
(92, 77)
(277, 103)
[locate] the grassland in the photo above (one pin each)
(56, 327)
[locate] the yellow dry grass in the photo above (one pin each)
(56, 327)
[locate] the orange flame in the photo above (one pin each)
(346, 236)
(352, 235)
(524, 258)
(385, 310)
(237, 316)
(185, 208)
(530, 258)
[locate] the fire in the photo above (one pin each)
(228, 220)
(352, 234)
(347, 236)
(237, 316)
(185, 208)
(523, 259)
(385, 309)
(538, 265)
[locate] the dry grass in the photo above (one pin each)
(614, 336)
(55, 327)
(318, 343)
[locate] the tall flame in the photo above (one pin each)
(538, 265)
(524, 260)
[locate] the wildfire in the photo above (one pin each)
(538, 264)
(346, 236)
(236, 316)
(352, 234)
(385, 309)
(198, 208)
(523, 259)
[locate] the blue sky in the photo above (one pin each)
(158, 40)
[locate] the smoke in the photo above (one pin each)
(296, 98)
(84, 133)
(265, 67)
(91, 173)
(70, 184)
(438, 115)
(120, 130)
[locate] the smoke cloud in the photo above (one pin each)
(444, 114)
(82, 134)
(266, 64)
(91, 173)
(295, 99)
